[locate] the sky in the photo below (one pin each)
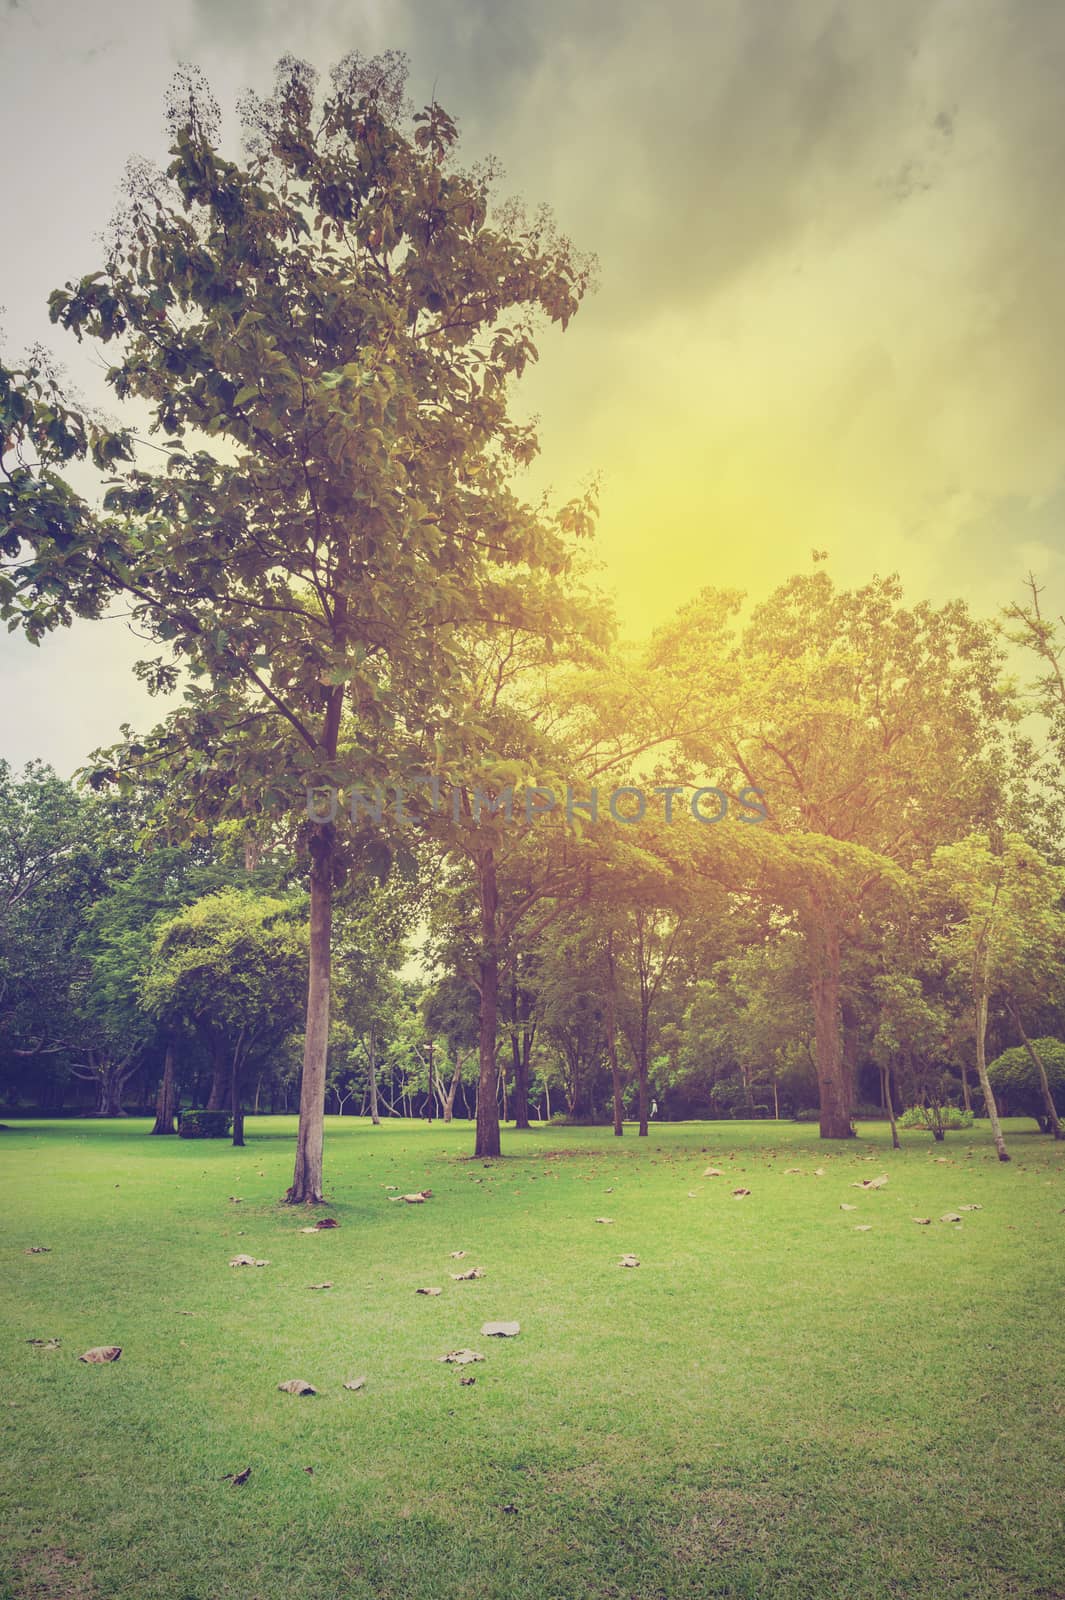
(831, 243)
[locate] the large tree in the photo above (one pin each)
(324, 333)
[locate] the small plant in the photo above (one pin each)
(936, 1119)
(205, 1124)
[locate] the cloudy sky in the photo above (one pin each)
(832, 288)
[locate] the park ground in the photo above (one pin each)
(774, 1403)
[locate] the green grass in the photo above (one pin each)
(771, 1404)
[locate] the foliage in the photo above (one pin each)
(929, 1118)
(1015, 1076)
(201, 1124)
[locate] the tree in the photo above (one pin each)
(232, 967)
(1025, 1078)
(325, 335)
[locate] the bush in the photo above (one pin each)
(810, 1115)
(866, 1111)
(925, 1117)
(1015, 1080)
(205, 1124)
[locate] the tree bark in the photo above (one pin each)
(986, 1090)
(371, 1057)
(1033, 1054)
(219, 1075)
(487, 1143)
(456, 1077)
(612, 1039)
(165, 1105)
(966, 1097)
(520, 1044)
(641, 1067)
(822, 937)
(890, 1104)
(306, 1188)
(236, 1101)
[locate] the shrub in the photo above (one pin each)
(926, 1117)
(205, 1124)
(866, 1111)
(1015, 1080)
(810, 1115)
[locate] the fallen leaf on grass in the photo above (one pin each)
(862, 1227)
(789, 1170)
(297, 1386)
(39, 1250)
(738, 1194)
(466, 1379)
(713, 1172)
(326, 1222)
(45, 1344)
(428, 1291)
(608, 1221)
(309, 1471)
(950, 1216)
(970, 1208)
(464, 1277)
(846, 1207)
(235, 1200)
(461, 1358)
(458, 1255)
(922, 1222)
(355, 1383)
(819, 1172)
(237, 1478)
(413, 1199)
(326, 1285)
(247, 1261)
(869, 1183)
(500, 1330)
(629, 1261)
(101, 1353)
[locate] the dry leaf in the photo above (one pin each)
(101, 1353)
(326, 1285)
(428, 1291)
(464, 1277)
(846, 1207)
(236, 1200)
(326, 1222)
(247, 1261)
(970, 1208)
(713, 1172)
(297, 1386)
(38, 1250)
(391, 1187)
(45, 1344)
(862, 1227)
(629, 1261)
(501, 1330)
(789, 1170)
(607, 1220)
(950, 1216)
(819, 1172)
(738, 1194)
(869, 1183)
(458, 1255)
(237, 1478)
(467, 1378)
(461, 1358)
(355, 1383)
(922, 1222)
(308, 1230)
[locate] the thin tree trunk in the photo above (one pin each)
(306, 1188)
(258, 1092)
(164, 1105)
(641, 1066)
(236, 1101)
(547, 1097)
(612, 1039)
(1037, 1060)
(371, 1056)
(890, 1106)
(219, 1076)
(521, 1044)
(776, 1102)
(822, 937)
(986, 1090)
(966, 1097)
(456, 1077)
(487, 1143)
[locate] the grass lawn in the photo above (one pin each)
(772, 1403)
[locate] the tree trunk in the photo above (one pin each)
(236, 1102)
(822, 937)
(371, 1057)
(980, 1008)
(219, 1076)
(165, 1103)
(306, 1186)
(612, 1039)
(890, 1104)
(966, 1097)
(456, 1077)
(1053, 1121)
(641, 1066)
(488, 965)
